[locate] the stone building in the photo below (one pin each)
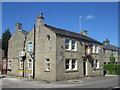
(52, 54)
(110, 50)
(1, 58)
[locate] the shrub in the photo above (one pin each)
(112, 69)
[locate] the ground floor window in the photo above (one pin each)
(9, 64)
(68, 66)
(47, 64)
(92, 64)
(95, 64)
(21, 64)
(29, 64)
(71, 64)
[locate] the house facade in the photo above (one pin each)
(53, 54)
(1, 58)
(110, 50)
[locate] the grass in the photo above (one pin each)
(113, 74)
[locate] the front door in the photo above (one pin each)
(84, 66)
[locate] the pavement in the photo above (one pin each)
(108, 81)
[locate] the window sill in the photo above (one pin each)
(70, 50)
(46, 71)
(96, 69)
(71, 71)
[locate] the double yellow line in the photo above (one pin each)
(19, 74)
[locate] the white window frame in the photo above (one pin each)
(21, 64)
(47, 64)
(29, 46)
(95, 49)
(75, 64)
(75, 49)
(69, 47)
(70, 65)
(106, 51)
(9, 64)
(93, 64)
(97, 64)
(29, 64)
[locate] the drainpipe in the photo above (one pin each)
(34, 52)
(23, 58)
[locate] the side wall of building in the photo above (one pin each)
(15, 46)
(45, 50)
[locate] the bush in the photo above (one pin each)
(112, 69)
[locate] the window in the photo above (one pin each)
(105, 51)
(21, 64)
(92, 64)
(30, 46)
(9, 64)
(74, 64)
(67, 44)
(97, 64)
(95, 49)
(71, 64)
(29, 64)
(47, 64)
(68, 64)
(48, 37)
(104, 62)
(74, 45)
(70, 44)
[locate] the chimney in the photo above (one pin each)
(40, 20)
(106, 42)
(84, 32)
(18, 26)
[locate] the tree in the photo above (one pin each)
(5, 38)
(112, 59)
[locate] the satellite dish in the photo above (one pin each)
(22, 54)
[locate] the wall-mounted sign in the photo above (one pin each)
(88, 50)
(22, 54)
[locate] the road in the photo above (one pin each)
(94, 82)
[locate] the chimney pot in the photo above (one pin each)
(18, 26)
(84, 32)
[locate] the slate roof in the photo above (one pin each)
(24, 32)
(71, 34)
(110, 47)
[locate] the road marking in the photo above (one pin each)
(117, 87)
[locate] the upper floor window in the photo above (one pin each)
(30, 46)
(74, 45)
(48, 37)
(95, 49)
(67, 44)
(70, 45)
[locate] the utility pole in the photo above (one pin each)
(34, 52)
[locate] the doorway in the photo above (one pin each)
(84, 67)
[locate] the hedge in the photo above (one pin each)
(112, 69)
